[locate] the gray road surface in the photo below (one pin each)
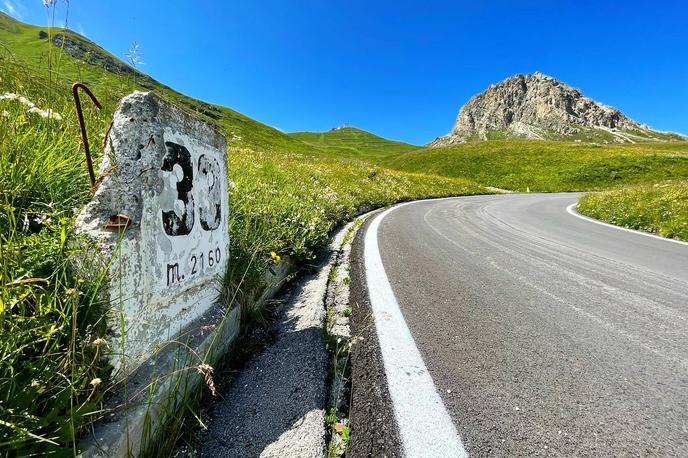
(545, 335)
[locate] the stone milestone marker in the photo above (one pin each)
(159, 221)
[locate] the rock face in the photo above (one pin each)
(540, 107)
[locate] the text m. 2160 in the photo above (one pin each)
(180, 220)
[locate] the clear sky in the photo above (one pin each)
(401, 69)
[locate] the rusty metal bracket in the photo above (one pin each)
(118, 222)
(84, 137)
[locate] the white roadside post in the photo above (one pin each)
(159, 223)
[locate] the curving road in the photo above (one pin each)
(542, 333)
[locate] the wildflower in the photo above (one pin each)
(95, 382)
(50, 114)
(8, 96)
(42, 219)
(32, 108)
(99, 341)
(27, 102)
(275, 257)
(35, 383)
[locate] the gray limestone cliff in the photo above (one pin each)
(538, 106)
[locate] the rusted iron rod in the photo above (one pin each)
(84, 137)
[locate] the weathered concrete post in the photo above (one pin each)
(159, 221)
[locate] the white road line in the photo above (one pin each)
(571, 209)
(424, 424)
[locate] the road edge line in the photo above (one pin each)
(571, 209)
(425, 427)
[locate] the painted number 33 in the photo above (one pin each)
(178, 205)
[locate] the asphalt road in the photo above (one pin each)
(544, 334)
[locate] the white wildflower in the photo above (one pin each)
(26, 102)
(53, 114)
(32, 108)
(42, 219)
(50, 114)
(8, 96)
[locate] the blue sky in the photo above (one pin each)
(400, 69)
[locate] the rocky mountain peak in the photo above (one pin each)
(538, 106)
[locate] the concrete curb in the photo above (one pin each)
(153, 393)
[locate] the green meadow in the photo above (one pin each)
(661, 208)
(549, 166)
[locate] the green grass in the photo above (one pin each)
(350, 142)
(289, 203)
(286, 197)
(49, 319)
(539, 165)
(660, 208)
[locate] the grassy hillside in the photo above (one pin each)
(551, 166)
(660, 208)
(284, 199)
(75, 58)
(351, 142)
